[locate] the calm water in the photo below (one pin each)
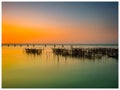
(22, 70)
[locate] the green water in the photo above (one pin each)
(21, 70)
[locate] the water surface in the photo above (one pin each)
(47, 70)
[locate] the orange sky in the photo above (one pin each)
(22, 23)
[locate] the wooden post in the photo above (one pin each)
(62, 45)
(54, 45)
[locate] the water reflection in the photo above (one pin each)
(83, 53)
(41, 66)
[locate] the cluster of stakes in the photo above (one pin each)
(89, 53)
(33, 51)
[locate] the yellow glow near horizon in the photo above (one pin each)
(40, 25)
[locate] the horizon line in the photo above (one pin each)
(60, 43)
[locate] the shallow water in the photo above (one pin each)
(22, 70)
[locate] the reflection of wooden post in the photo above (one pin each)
(58, 58)
(33, 45)
(27, 45)
(8, 45)
(20, 45)
(65, 58)
(14, 45)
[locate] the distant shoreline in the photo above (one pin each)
(54, 44)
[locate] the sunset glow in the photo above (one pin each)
(59, 22)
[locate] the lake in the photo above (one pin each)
(47, 70)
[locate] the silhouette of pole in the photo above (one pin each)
(71, 46)
(45, 45)
(54, 45)
(62, 45)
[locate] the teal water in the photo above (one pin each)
(22, 70)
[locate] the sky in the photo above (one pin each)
(60, 22)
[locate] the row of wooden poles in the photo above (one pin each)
(89, 53)
(54, 45)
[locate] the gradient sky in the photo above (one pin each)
(59, 22)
